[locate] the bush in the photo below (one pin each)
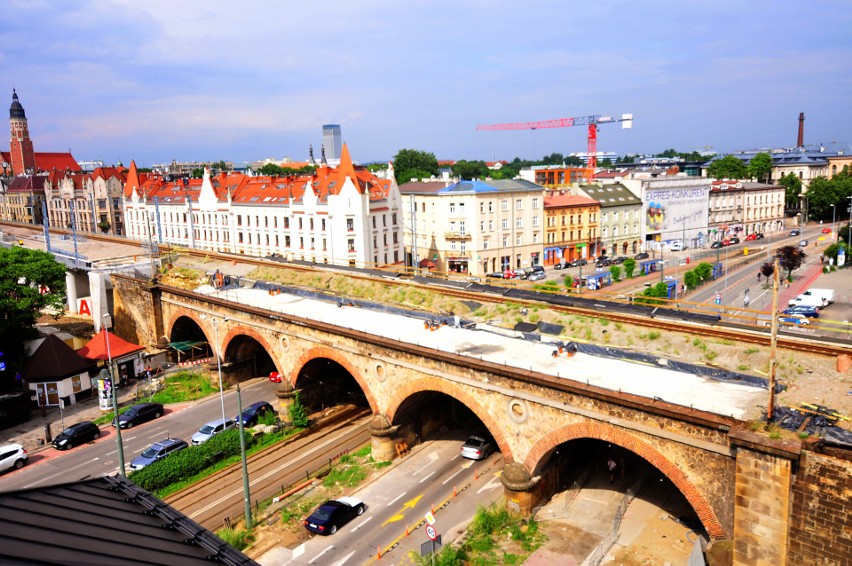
(704, 270)
(629, 267)
(298, 412)
(615, 270)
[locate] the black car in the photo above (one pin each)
(332, 514)
(76, 434)
(496, 275)
(642, 255)
(253, 412)
(603, 262)
(759, 236)
(138, 414)
(559, 265)
(716, 245)
(579, 262)
(733, 241)
(795, 232)
(619, 260)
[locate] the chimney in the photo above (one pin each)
(801, 141)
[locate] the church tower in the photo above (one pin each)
(21, 146)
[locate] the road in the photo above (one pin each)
(100, 458)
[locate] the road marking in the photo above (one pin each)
(433, 457)
(397, 498)
(446, 481)
(345, 559)
(492, 483)
(364, 522)
(315, 558)
(63, 472)
(429, 475)
(393, 519)
(411, 504)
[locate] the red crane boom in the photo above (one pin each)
(591, 139)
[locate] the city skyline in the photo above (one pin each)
(156, 81)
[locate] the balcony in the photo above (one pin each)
(456, 235)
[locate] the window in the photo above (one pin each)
(505, 206)
(519, 222)
(453, 226)
(393, 218)
(461, 208)
(301, 223)
(350, 226)
(452, 208)
(535, 238)
(505, 223)
(519, 240)
(490, 206)
(535, 222)
(461, 227)
(482, 226)
(350, 244)
(485, 244)
(535, 203)
(490, 225)
(374, 222)
(519, 204)
(481, 208)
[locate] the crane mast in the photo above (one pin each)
(591, 138)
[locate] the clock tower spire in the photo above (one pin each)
(21, 149)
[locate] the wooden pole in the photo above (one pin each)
(770, 409)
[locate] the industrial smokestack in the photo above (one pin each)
(800, 143)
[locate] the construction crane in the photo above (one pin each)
(590, 121)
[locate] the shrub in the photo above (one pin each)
(298, 412)
(615, 270)
(629, 267)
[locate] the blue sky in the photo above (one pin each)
(207, 80)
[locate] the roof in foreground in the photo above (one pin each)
(104, 521)
(682, 388)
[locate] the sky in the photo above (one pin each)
(199, 80)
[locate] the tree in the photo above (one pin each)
(615, 270)
(573, 161)
(470, 170)
(568, 281)
(30, 281)
(760, 167)
(629, 267)
(822, 193)
(298, 412)
(410, 164)
(794, 189)
(197, 173)
(767, 269)
(790, 258)
(729, 167)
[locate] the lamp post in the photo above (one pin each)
(215, 323)
(112, 388)
(833, 210)
(849, 229)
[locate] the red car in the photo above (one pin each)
(751, 237)
(826, 230)
(726, 242)
(275, 377)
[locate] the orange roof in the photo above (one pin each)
(46, 161)
(96, 348)
(566, 201)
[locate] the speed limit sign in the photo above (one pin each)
(431, 533)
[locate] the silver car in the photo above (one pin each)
(476, 448)
(211, 429)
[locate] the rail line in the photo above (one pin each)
(661, 319)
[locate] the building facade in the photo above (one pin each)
(673, 209)
(331, 142)
(93, 200)
(738, 209)
(473, 227)
(553, 176)
(572, 227)
(340, 216)
(620, 218)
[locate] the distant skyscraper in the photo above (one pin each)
(331, 142)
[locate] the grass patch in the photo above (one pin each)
(751, 351)
(239, 539)
(184, 386)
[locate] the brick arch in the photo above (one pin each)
(332, 354)
(251, 333)
(193, 315)
(403, 392)
(626, 440)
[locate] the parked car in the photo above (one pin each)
(476, 448)
(495, 275)
(508, 274)
(793, 320)
(560, 265)
(804, 310)
(157, 452)
(138, 414)
(537, 276)
(795, 232)
(538, 269)
(716, 245)
(803, 243)
(275, 377)
(12, 456)
(603, 262)
(759, 236)
(726, 242)
(253, 412)
(522, 273)
(733, 241)
(751, 237)
(619, 260)
(826, 230)
(210, 430)
(333, 514)
(76, 434)
(642, 255)
(579, 262)
(808, 300)
(676, 246)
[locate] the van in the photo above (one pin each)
(676, 246)
(827, 295)
(807, 300)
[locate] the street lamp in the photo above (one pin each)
(833, 210)
(112, 388)
(246, 492)
(849, 229)
(215, 323)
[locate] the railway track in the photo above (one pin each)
(662, 318)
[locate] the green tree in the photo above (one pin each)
(760, 167)
(790, 258)
(411, 163)
(197, 173)
(470, 170)
(568, 281)
(573, 161)
(298, 412)
(794, 189)
(691, 279)
(822, 193)
(615, 271)
(270, 169)
(30, 281)
(629, 267)
(729, 167)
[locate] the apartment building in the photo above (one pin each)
(572, 227)
(340, 216)
(673, 209)
(93, 200)
(740, 208)
(474, 227)
(620, 218)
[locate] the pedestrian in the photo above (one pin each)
(611, 466)
(758, 277)
(718, 298)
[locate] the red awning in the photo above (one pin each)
(427, 263)
(96, 348)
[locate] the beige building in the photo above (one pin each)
(620, 218)
(740, 208)
(473, 227)
(94, 198)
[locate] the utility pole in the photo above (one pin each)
(770, 408)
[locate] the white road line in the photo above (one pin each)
(315, 558)
(446, 481)
(364, 522)
(345, 559)
(492, 483)
(429, 475)
(397, 498)
(63, 472)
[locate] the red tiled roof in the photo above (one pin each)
(96, 348)
(46, 161)
(563, 201)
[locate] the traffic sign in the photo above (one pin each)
(431, 533)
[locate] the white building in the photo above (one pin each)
(341, 216)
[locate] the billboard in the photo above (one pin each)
(674, 210)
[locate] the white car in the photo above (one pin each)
(12, 456)
(676, 246)
(211, 429)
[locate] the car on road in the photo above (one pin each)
(333, 514)
(759, 236)
(793, 320)
(751, 237)
(826, 230)
(12, 456)
(477, 447)
(716, 245)
(803, 243)
(157, 452)
(210, 430)
(76, 434)
(138, 414)
(536, 276)
(676, 246)
(579, 262)
(561, 265)
(603, 261)
(795, 232)
(619, 260)
(275, 377)
(733, 241)
(642, 255)
(253, 412)
(804, 310)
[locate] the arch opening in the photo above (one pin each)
(245, 358)
(325, 383)
(188, 341)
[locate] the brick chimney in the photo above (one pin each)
(800, 143)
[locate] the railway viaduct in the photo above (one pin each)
(774, 501)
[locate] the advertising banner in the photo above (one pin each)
(675, 211)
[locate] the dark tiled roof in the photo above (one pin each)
(54, 360)
(103, 521)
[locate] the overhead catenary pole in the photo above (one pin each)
(770, 407)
